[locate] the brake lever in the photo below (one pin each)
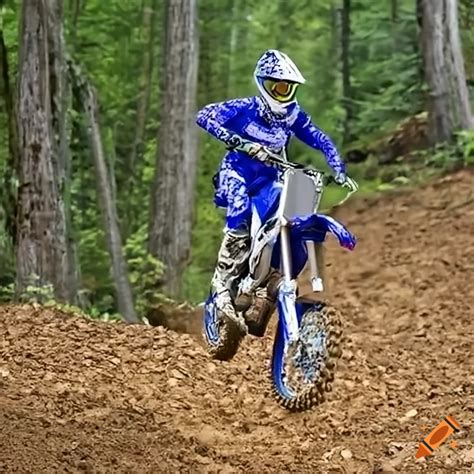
(288, 165)
(277, 160)
(283, 165)
(351, 184)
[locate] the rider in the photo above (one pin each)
(250, 127)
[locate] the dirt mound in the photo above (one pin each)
(82, 396)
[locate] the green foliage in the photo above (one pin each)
(144, 270)
(421, 165)
(36, 291)
(95, 265)
(466, 146)
(466, 17)
(446, 156)
(92, 313)
(7, 293)
(110, 40)
(386, 66)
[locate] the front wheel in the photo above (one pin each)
(221, 334)
(303, 370)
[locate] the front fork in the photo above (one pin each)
(287, 291)
(316, 265)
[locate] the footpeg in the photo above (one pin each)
(317, 284)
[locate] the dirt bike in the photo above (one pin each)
(286, 232)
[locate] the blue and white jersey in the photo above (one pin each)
(251, 119)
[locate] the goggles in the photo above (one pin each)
(282, 91)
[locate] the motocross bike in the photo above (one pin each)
(286, 231)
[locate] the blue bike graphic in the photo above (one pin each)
(287, 233)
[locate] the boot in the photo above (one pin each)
(232, 261)
(273, 285)
(245, 298)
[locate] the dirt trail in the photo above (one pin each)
(80, 396)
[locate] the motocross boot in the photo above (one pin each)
(273, 284)
(232, 261)
(263, 304)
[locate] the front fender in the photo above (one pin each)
(311, 228)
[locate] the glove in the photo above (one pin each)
(340, 178)
(253, 149)
(260, 154)
(343, 180)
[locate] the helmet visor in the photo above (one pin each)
(282, 91)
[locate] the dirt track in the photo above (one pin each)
(78, 396)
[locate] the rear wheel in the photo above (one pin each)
(221, 334)
(303, 371)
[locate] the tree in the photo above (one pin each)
(454, 48)
(41, 253)
(448, 96)
(87, 98)
(174, 181)
(149, 22)
(346, 68)
(379, 84)
(394, 11)
(6, 93)
(60, 101)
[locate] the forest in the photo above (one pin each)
(106, 198)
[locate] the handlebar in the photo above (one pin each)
(327, 178)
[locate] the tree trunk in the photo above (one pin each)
(86, 96)
(75, 8)
(441, 120)
(149, 22)
(346, 69)
(240, 40)
(172, 199)
(58, 84)
(448, 100)
(60, 100)
(459, 84)
(11, 170)
(226, 42)
(147, 72)
(237, 9)
(394, 11)
(41, 236)
(284, 22)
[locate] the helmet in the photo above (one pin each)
(277, 79)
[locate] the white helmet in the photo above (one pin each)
(277, 79)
